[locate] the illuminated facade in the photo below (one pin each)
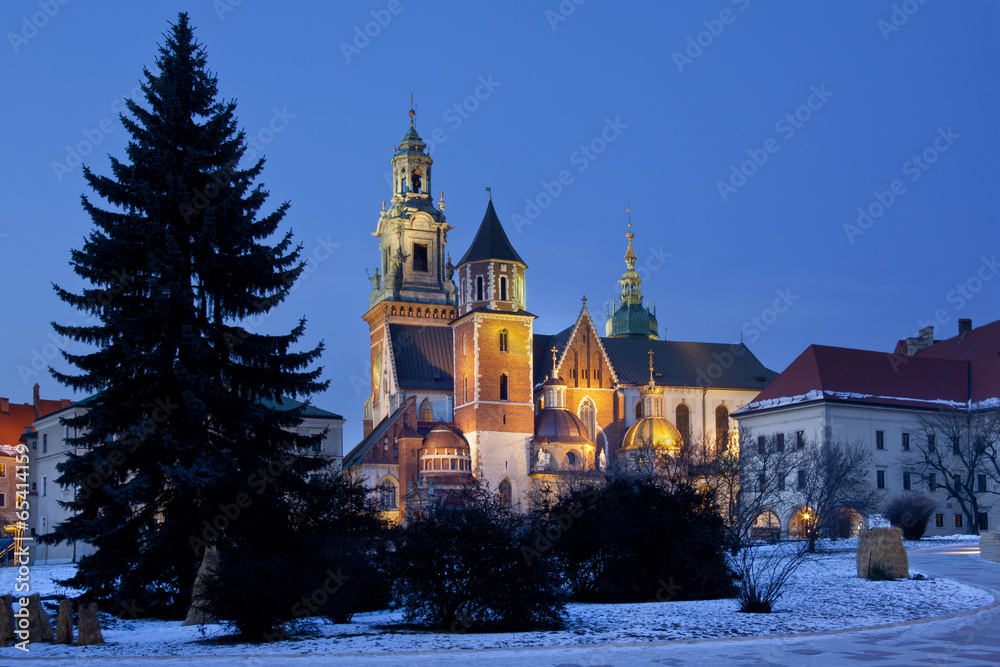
(462, 386)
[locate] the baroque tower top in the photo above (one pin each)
(412, 232)
(631, 319)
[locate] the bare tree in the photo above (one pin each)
(835, 475)
(960, 455)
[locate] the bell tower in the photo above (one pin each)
(412, 232)
(493, 357)
(411, 283)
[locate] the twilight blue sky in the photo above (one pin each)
(887, 82)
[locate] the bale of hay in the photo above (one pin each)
(6, 619)
(64, 622)
(882, 546)
(89, 626)
(197, 615)
(989, 546)
(39, 626)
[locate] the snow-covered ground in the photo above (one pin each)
(824, 594)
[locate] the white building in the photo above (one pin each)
(884, 400)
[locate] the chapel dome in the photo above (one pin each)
(560, 426)
(652, 432)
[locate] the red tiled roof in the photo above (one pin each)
(979, 343)
(13, 421)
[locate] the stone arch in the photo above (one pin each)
(767, 526)
(801, 521)
(388, 493)
(506, 492)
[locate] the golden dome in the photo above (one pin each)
(652, 432)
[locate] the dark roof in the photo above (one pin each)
(491, 241)
(979, 343)
(541, 347)
(423, 356)
(879, 378)
(687, 364)
(285, 403)
(357, 455)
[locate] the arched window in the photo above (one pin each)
(504, 388)
(506, 493)
(387, 494)
(503, 288)
(638, 409)
(588, 415)
(503, 341)
(426, 413)
(721, 427)
(570, 459)
(479, 288)
(683, 422)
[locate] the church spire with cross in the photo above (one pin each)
(631, 319)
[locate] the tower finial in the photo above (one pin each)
(554, 351)
(650, 367)
(490, 190)
(413, 113)
(630, 253)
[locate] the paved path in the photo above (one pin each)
(970, 639)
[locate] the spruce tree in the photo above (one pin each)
(187, 410)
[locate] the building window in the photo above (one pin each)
(906, 481)
(504, 347)
(984, 521)
(45, 485)
(801, 480)
(958, 483)
(931, 443)
(980, 483)
(638, 410)
(956, 447)
(3, 500)
(779, 443)
(761, 482)
(880, 479)
(906, 442)
(45, 442)
(932, 481)
(800, 439)
(3, 469)
(588, 415)
(504, 388)
(503, 288)
(387, 494)
(958, 521)
(781, 481)
(465, 382)
(570, 459)
(426, 412)
(420, 257)
(879, 439)
(479, 288)
(761, 444)
(683, 422)
(506, 493)
(722, 428)
(939, 520)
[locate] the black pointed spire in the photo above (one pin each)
(491, 241)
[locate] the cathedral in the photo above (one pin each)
(462, 387)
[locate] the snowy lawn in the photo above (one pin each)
(824, 594)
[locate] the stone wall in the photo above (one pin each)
(989, 546)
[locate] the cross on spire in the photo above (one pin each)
(554, 351)
(584, 299)
(650, 367)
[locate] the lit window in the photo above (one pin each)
(426, 413)
(506, 493)
(387, 495)
(958, 521)
(939, 520)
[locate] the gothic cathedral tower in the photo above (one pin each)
(412, 284)
(493, 357)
